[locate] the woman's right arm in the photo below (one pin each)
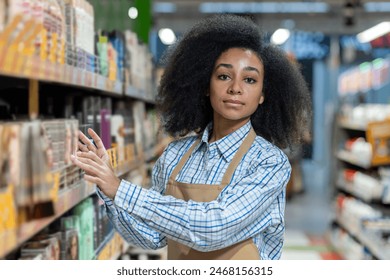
(134, 230)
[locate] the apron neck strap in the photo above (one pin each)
(183, 160)
(246, 144)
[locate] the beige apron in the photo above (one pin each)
(245, 250)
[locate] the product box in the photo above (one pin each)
(45, 247)
(85, 212)
(117, 127)
(55, 238)
(70, 245)
(2, 15)
(91, 108)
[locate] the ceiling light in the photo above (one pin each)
(164, 7)
(263, 7)
(280, 36)
(374, 32)
(377, 7)
(167, 36)
(133, 13)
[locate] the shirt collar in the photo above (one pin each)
(229, 144)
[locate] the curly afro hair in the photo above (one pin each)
(182, 102)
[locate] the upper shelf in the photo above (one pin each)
(348, 124)
(32, 67)
(138, 94)
(37, 69)
(353, 159)
(377, 134)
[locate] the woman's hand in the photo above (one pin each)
(86, 145)
(96, 164)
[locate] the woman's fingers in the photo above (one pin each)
(93, 179)
(87, 164)
(96, 139)
(90, 155)
(82, 147)
(87, 142)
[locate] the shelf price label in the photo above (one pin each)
(8, 209)
(54, 179)
(7, 220)
(378, 135)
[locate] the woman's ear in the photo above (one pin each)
(261, 99)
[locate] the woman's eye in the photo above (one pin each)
(250, 80)
(223, 77)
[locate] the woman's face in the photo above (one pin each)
(236, 85)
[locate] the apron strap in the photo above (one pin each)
(183, 160)
(246, 144)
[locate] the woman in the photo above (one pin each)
(220, 192)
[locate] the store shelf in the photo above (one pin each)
(380, 251)
(46, 71)
(348, 124)
(157, 150)
(67, 199)
(37, 60)
(124, 168)
(161, 253)
(138, 94)
(112, 248)
(363, 194)
(353, 159)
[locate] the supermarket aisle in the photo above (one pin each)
(308, 218)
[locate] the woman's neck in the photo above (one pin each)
(221, 129)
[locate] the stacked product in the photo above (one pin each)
(368, 226)
(140, 72)
(361, 184)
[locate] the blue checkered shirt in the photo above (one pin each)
(250, 206)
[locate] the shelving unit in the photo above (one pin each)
(361, 225)
(65, 201)
(112, 248)
(360, 190)
(380, 251)
(41, 60)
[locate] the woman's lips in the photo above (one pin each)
(233, 101)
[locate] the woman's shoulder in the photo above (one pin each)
(182, 143)
(268, 150)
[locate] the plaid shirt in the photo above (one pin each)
(250, 206)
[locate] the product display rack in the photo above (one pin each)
(379, 251)
(362, 150)
(51, 51)
(67, 200)
(112, 248)
(66, 75)
(361, 192)
(38, 73)
(138, 94)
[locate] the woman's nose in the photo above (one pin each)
(234, 88)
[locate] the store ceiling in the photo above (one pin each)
(327, 16)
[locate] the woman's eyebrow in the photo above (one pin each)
(247, 68)
(251, 68)
(224, 65)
